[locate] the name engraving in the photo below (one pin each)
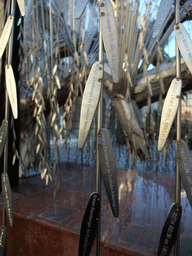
(3, 236)
(164, 9)
(185, 167)
(169, 111)
(3, 134)
(109, 170)
(89, 102)
(6, 34)
(88, 230)
(89, 225)
(11, 89)
(170, 230)
(7, 198)
(110, 37)
(184, 43)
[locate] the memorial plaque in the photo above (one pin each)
(21, 5)
(6, 34)
(108, 169)
(109, 32)
(7, 197)
(2, 237)
(185, 44)
(3, 135)
(11, 89)
(80, 7)
(164, 10)
(185, 168)
(169, 111)
(89, 225)
(170, 231)
(89, 102)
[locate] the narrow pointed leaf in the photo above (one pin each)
(7, 197)
(164, 10)
(89, 102)
(109, 32)
(80, 7)
(185, 44)
(89, 225)
(108, 169)
(21, 5)
(2, 237)
(3, 135)
(6, 34)
(185, 168)
(170, 231)
(169, 111)
(11, 89)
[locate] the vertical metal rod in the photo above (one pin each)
(178, 135)
(99, 125)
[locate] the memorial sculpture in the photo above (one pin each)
(128, 49)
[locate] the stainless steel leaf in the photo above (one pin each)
(109, 32)
(11, 89)
(89, 102)
(89, 225)
(7, 197)
(169, 111)
(6, 34)
(170, 230)
(3, 135)
(185, 44)
(108, 167)
(185, 168)
(21, 5)
(164, 9)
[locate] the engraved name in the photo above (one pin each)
(7, 199)
(111, 43)
(169, 114)
(90, 104)
(2, 237)
(86, 243)
(169, 234)
(187, 169)
(109, 172)
(186, 47)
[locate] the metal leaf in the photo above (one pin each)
(89, 225)
(7, 197)
(169, 111)
(108, 167)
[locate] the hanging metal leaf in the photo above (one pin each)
(108, 167)
(11, 89)
(169, 111)
(131, 125)
(21, 5)
(164, 10)
(185, 168)
(3, 135)
(6, 34)
(109, 32)
(170, 230)
(89, 102)
(89, 225)
(80, 7)
(7, 197)
(184, 43)
(2, 237)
